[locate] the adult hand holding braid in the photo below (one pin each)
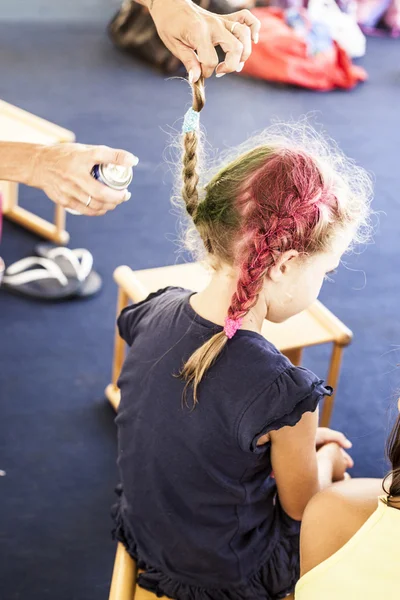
(191, 33)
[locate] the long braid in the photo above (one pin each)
(260, 258)
(258, 252)
(203, 358)
(190, 156)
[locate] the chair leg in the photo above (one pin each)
(59, 222)
(119, 344)
(332, 380)
(294, 356)
(112, 391)
(124, 576)
(40, 226)
(9, 192)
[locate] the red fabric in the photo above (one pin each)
(281, 55)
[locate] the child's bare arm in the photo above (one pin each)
(294, 463)
(300, 471)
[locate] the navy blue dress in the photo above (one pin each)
(198, 507)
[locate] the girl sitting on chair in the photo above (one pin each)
(209, 408)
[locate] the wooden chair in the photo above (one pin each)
(17, 125)
(316, 325)
(123, 583)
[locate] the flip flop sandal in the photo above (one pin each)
(47, 282)
(74, 263)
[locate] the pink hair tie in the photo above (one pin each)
(231, 326)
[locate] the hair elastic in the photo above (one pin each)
(191, 121)
(231, 326)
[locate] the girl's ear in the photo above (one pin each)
(283, 264)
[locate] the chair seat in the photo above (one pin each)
(316, 325)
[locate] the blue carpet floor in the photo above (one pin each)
(57, 437)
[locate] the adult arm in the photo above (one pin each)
(62, 171)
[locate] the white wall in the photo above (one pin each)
(96, 11)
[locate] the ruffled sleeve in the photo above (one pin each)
(134, 314)
(294, 392)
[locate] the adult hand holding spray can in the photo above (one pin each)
(116, 177)
(89, 180)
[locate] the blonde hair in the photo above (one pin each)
(288, 188)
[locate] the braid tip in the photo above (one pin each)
(232, 326)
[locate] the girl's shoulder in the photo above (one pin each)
(143, 312)
(161, 296)
(274, 375)
(288, 392)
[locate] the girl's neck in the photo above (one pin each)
(213, 302)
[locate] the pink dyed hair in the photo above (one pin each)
(280, 207)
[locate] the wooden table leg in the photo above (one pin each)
(332, 380)
(294, 356)
(112, 391)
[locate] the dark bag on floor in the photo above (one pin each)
(132, 30)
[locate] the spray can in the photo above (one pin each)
(116, 177)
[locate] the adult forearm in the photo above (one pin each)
(17, 161)
(63, 172)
